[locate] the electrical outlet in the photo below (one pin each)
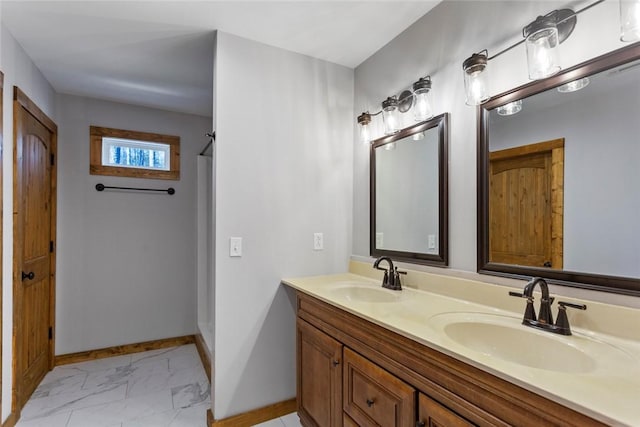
(379, 240)
(235, 246)
(318, 242)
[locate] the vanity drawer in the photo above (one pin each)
(374, 397)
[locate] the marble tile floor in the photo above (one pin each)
(290, 420)
(158, 388)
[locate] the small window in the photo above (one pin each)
(125, 153)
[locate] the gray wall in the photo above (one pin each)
(437, 44)
(283, 171)
(126, 261)
(18, 70)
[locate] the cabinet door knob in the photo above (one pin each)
(29, 275)
(335, 362)
(420, 424)
(370, 402)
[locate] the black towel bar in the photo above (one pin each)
(102, 187)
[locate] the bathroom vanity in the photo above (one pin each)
(368, 356)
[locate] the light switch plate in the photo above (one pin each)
(235, 246)
(379, 240)
(432, 241)
(318, 242)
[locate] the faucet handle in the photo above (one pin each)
(569, 304)
(562, 321)
(529, 312)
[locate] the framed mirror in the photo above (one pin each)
(409, 197)
(559, 180)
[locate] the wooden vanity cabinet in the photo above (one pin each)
(355, 373)
(319, 377)
(433, 414)
(374, 397)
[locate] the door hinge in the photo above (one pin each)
(53, 159)
(50, 332)
(51, 247)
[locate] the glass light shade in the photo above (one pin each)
(629, 20)
(418, 136)
(574, 85)
(364, 120)
(422, 108)
(511, 108)
(365, 134)
(390, 146)
(542, 51)
(476, 83)
(390, 116)
(422, 104)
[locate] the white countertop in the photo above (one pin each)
(603, 382)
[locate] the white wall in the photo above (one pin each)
(18, 70)
(205, 296)
(437, 44)
(126, 261)
(283, 171)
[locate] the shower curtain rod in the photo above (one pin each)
(212, 138)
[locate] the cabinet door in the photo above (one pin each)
(319, 377)
(348, 422)
(433, 414)
(374, 397)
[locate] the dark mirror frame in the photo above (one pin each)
(614, 284)
(440, 259)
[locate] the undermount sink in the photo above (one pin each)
(505, 338)
(363, 292)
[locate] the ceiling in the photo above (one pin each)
(160, 53)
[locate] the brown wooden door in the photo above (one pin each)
(33, 284)
(373, 397)
(433, 414)
(526, 205)
(319, 377)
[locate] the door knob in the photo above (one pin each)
(29, 275)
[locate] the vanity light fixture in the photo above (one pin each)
(574, 85)
(541, 38)
(422, 108)
(390, 115)
(419, 98)
(418, 136)
(542, 42)
(629, 20)
(364, 120)
(510, 109)
(475, 78)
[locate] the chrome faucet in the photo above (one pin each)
(544, 320)
(391, 279)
